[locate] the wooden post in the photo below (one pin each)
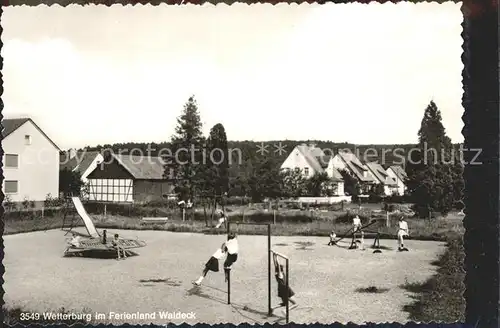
(387, 222)
(229, 287)
(183, 214)
(105, 210)
(43, 212)
(270, 310)
(287, 296)
(274, 216)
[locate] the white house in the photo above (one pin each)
(398, 173)
(348, 161)
(310, 160)
(382, 177)
(31, 162)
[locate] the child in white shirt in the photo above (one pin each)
(222, 219)
(403, 231)
(333, 236)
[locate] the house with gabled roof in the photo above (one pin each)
(349, 162)
(399, 175)
(310, 160)
(129, 179)
(30, 162)
(383, 178)
(83, 162)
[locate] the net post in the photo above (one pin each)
(287, 294)
(269, 310)
(228, 272)
(228, 286)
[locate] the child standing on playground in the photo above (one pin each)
(333, 236)
(356, 228)
(116, 245)
(212, 264)
(232, 248)
(403, 231)
(222, 219)
(75, 241)
(283, 291)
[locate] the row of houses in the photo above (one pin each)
(310, 160)
(32, 162)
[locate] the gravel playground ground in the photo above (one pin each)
(326, 279)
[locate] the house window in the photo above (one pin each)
(11, 186)
(27, 139)
(306, 171)
(11, 160)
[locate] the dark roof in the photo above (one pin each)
(355, 166)
(398, 170)
(323, 160)
(12, 124)
(381, 175)
(80, 162)
(310, 157)
(142, 167)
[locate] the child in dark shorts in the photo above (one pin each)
(283, 291)
(116, 245)
(232, 248)
(212, 264)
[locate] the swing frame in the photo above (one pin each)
(229, 223)
(287, 283)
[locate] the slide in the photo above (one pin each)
(85, 217)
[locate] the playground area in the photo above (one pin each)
(332, 283)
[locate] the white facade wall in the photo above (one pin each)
(297, 161)
(38, 164)
(401, 186)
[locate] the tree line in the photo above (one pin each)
(433, 187)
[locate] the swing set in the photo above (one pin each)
(270, 253)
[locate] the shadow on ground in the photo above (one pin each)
(372, 290)
(242, 310)
(167, 281)
(98, 254)
(304, 245)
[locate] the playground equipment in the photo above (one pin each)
(287, 285)
(269, 254)
(364, 233)
(95, 241)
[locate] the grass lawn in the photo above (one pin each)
(332, 283)
(440, 229)
(441, 297)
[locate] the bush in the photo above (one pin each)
(168, 203)
(375, 199)
(19, 215)
(269, 218)
(237, 200)
(397, 199)
(52, 201)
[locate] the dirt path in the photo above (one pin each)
(324, 278)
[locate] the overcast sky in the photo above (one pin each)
(356, 73)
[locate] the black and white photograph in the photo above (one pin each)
(233, 164)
